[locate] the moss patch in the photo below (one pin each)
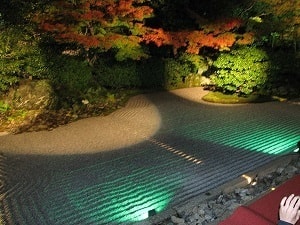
(218, 97)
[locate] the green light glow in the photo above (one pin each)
(124, 200)
(120, 208)
(137, 210)
(261, 136)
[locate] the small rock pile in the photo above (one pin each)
(213, 210)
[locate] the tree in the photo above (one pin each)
(98, 24)
(275, 22)
(219, 35)
(119, 26)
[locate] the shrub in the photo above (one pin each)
(71, 77)
(20, 57)
(4, 107)
(148, 73)
(116, 74)
(7, 81)
(285, 75)
(243, 71)
(196, 63)
(151, 72)
(175, 73)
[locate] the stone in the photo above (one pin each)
(224, 204)
(177, 220)
(280, 170)
(181, 214)
(31, 95)
(204, 81)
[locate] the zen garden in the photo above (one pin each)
(148, 112)
(64, 60)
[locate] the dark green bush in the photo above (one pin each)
(243, 71)
(151, 73)
(71, 77)
(167, 73)
(285, 73)
(148, 73)
(6, 82)
(20, 57)
(116, 74)
(284, 62)
(175, 73)
(194, 62)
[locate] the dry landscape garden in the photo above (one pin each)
(143, 106)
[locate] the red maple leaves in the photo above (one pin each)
(219, 36)
(103, 23)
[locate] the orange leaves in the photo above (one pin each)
(125, 5)
(199, 39)
(126, 8)
(93, 23)
(218, 35)
(157, 36)
(246, 39)
(222, 26)
(86, 41)
(193, 41)
(225, 41)
(142, 12)
(232, 24)
(58, 27)
(91, 15)
(107, 24)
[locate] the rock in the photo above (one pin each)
(204, 81)
(233, 206)
(224, 204)
(201, 212)
(31, 95)
(247, 198)
(190, 219)
(177, 220)
(279, 170)
(291, 170)
(181, 214)
(242, 192)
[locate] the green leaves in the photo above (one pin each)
(242, 71)
(20, 56)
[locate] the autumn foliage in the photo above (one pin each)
(112, 24)
(93, 23)
(218, 35)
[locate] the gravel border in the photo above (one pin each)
(216, 205)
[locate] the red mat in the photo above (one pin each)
(264, 211)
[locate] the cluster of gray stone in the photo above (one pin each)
(212, 211)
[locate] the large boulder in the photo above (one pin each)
(31, 95)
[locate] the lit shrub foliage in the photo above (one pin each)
(154, 72)
(116, 74)
(242, 71)
(175, 73)
(20, 57)
(194, 61)
(70, 76)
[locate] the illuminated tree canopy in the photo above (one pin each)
(126, 30)
(120, 25)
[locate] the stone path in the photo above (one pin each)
(161, 150)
